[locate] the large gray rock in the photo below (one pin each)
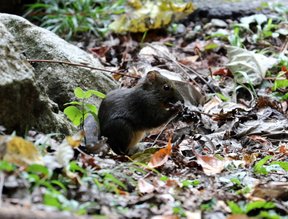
(22, 106)
(31, 97)
(228, 9)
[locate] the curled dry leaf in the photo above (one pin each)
(160, 157)
(144, 186)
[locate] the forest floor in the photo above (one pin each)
(229, 156)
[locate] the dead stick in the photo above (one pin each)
(82, 65)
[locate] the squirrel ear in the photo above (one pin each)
(152, 75)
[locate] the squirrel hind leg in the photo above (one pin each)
(120, 135)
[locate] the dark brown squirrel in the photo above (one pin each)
(127, 113)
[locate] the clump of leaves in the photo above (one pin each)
(79, 110)
(143, 15)
(68, 18)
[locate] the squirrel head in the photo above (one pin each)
(162, 88)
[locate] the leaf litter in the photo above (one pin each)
(228, 155)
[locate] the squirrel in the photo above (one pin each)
(127, 113)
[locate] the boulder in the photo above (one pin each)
(33, 96)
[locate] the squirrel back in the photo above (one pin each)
(126, 114)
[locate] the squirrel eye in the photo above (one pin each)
(166, 87)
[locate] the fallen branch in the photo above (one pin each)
(82, 65)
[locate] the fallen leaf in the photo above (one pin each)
(189, 59)
(60, 157)
(20, 151)
(210, 164)
(160, 157)
(225, 72)
(158, 13)
(283, 149)
(249, 159)
(248, 66)
(75, 140)
(145, 187)
(272, 190)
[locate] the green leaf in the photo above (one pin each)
(211, 46)
(282, 164)
(222, 97)
(74, 114)
(235, 181)
(73, 166)
(258, 168)
(6, 166)
(38, 169)
(187, 183)
(74, 103)
(280, 84)
(259, 204)
(79, 93)
(51, 200)
(284, 97)
(97, 93)
(59, 184)
(235, 208)
(91, 108)
(109, 177)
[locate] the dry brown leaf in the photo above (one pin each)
(160, 157)
(145, 187)
(21, 152)
(210, 164)
(261, 140)
(189, 59)
(283, 149)
(272, 190)
(75, 140)
(249, 159)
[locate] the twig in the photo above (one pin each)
(162, 130)
(82, 65)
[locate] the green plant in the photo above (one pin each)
(178, 209)
(6, 166)
(257, 207)
(259, 166)
(235, 39)
(68, 18)
(187, 183)
(78, 111)
(208, 205)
